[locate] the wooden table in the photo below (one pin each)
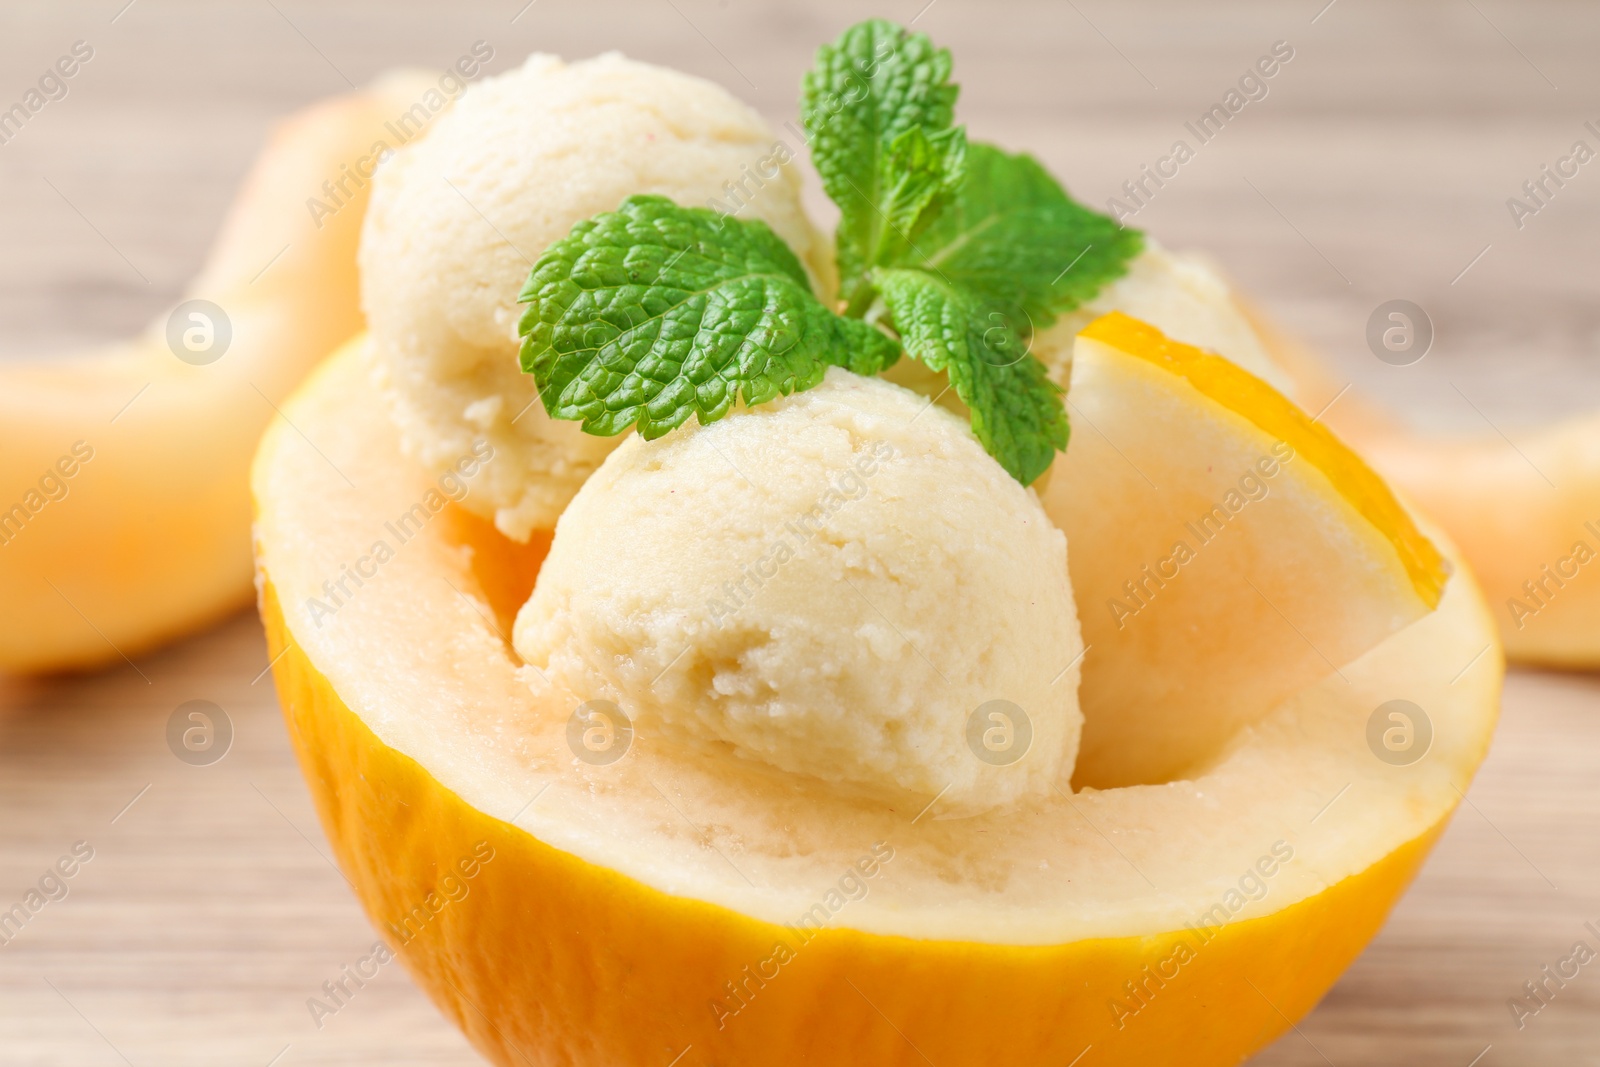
(1377, 167)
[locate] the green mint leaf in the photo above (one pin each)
(861, 348)
(1017, 412)
(654, 312)
(1014, 236)
(998, 261)
(868, 88)
(919, 172)
(964, 249)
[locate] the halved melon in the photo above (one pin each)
(664, 909)
(1226, 551)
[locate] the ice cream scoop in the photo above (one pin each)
(840, 584)
(459, 217)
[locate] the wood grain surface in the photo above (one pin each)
(1377, 167)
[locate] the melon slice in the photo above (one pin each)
(1226, 551)
(124, 473)
(665, 909)
(1525, 515)
(1528, 523)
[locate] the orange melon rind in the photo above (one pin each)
(548, 958)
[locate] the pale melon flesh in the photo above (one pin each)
(1226, 552)
(418, 646)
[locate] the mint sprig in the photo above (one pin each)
(873, 85)
(919, 174)
(654, 312)
(962, 252)
(1015, 239)
(1008, 254)
(1017, 413)
(958, 252)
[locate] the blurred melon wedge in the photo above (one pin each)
(666, 908)
(1525, 516)
(1527, 520)
(124, 501)
(1226, 551)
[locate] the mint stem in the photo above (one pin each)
(861, 303)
